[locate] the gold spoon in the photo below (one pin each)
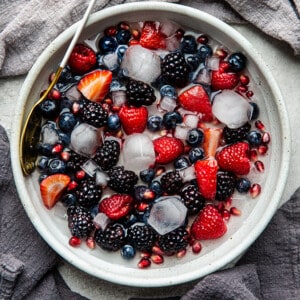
(31, 130)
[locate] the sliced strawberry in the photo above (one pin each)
(152, 37)
(196, 99)
(95, 85)
(133, 119)
(222, 79)
(116, 206)
(82, 59)
(209, 224)
(206, 175)
(52, 187)
(211, 142)
(235, 158)
(167, 149)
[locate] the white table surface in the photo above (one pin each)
(286, 70)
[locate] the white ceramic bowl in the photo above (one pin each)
(242, 231)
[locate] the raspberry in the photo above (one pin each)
(171, 182)
(139, 93)
(107, 155)
(226, 182)
(192, 199)
(236, 135)
(142, 237)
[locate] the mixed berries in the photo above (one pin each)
(155, 80)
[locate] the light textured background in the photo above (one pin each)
(285, 68)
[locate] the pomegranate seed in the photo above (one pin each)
(149, 195)
(90, 242)
(157, 250)
(259, 165)
(157, 259)
(249, 94)
(221, 53)
(255, 190)
(119, 134)
(55, 95)
(187, 148)
(181, 253)
(234, 211)
(145, 262)
(259, 125)
(244, 79)
(115, 108)
(159, 171)
(124, 26)
(179, 33)
(135, 34)
(110, 31)
(266, 138)
(133, 42)
(108, 101)
(51, 77)
(226, 214)
(57, 148)
(253, 154)
(164, 132)
(80, 174)
(74, 241)
(65, 155)
(145, 254)
(262, 149)
(196, 247)
(242, 88)
(228, 202)
(75, 107)
(142, 206)
(202, 39)
(220, 206)
(72, 185)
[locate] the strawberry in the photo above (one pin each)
(196, 99)
(152, 37)
(95, 85)
(206, 175)
(209, 224)
(222, 79)
(167, 149)
(52, 187)
(133, 119)
(116, 206)
(211, 142)
(82, 59)
(235, 158)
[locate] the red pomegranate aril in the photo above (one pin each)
(124, 26)
(262, 149)
(255, 190)
(55, 95)
(65, 155)
(142, 206)
(110, 31)
(235, 211)
(259, 165)
(57, 148)
(253, 154)
(159, 171)
(145, 254)
(51, 77)
(135, 34)
(221, 53)
(266, 138)
(249, 94)
(75, 107)
(157, 259)
(259, 125)
(134, 42)
(228, 202)
(202, 39)
(242, 88)
(181, 253)
(72, 185)
(90, 242)
(244, 79)
(157, 250)
(149, 195)
(179, 33)
(80, 174)
(226, 215)
(145, 262)
(74, 241)
(220, 206)
(196, 247)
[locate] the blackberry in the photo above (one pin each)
(171, 182)
(80, 221)
(112, 238)
(107, 155)
(139, 93)
(192, 199)
(175, 70)
(93, 113)
(121, 180)
(141, 237)
(88, 193)
(235, 135)
(75, 161)
(226, 182)
(173, 241)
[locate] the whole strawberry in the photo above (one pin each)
(116, 206)
(133, 119)
(222, 79)
(167, 149)
(209, 224)
(235, 158)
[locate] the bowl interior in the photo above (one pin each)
(242, 230)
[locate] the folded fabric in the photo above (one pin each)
(23, 38)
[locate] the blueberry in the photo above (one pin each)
(123, 36)
(69, 199)
(49, 108)
(42, 163)
(155, 186)
(94, 210)
(171, 119)
(64, 138)
(237, 61)
(127, 252)
(56, 166)
(121, 51)
(195, 154)
(67, 121)
(129, 220)
(44, 149)
(138, 192)
(66, 103)
(168, 90)
(195, 137)
(147, 175)
(181, 162)
(254, 138)
(255, 111)
(113, 122)
(243, 185)
(204, 52)
(193, 62)
(188, 44)
(154, 123)
(107, 44)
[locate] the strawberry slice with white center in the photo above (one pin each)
(95, 85)
(52, 187)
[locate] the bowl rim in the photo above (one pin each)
(176, 278)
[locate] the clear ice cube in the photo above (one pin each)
(49, 134)
(167, 214)
(138, 152)
(231, 108)
(90, 167)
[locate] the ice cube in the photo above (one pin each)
(101, 220)
(49, 134)
(231, 108)
(101, 178)
(191, 121)
(85, 139)
(90, 167)
(181, 132)
(141, 64)
(188, 174)
(111, 61)
(167, 103)
(203, 77)
(138, 152)
(212, 63)
(167, 214)
(118, 97)
(73, 94)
